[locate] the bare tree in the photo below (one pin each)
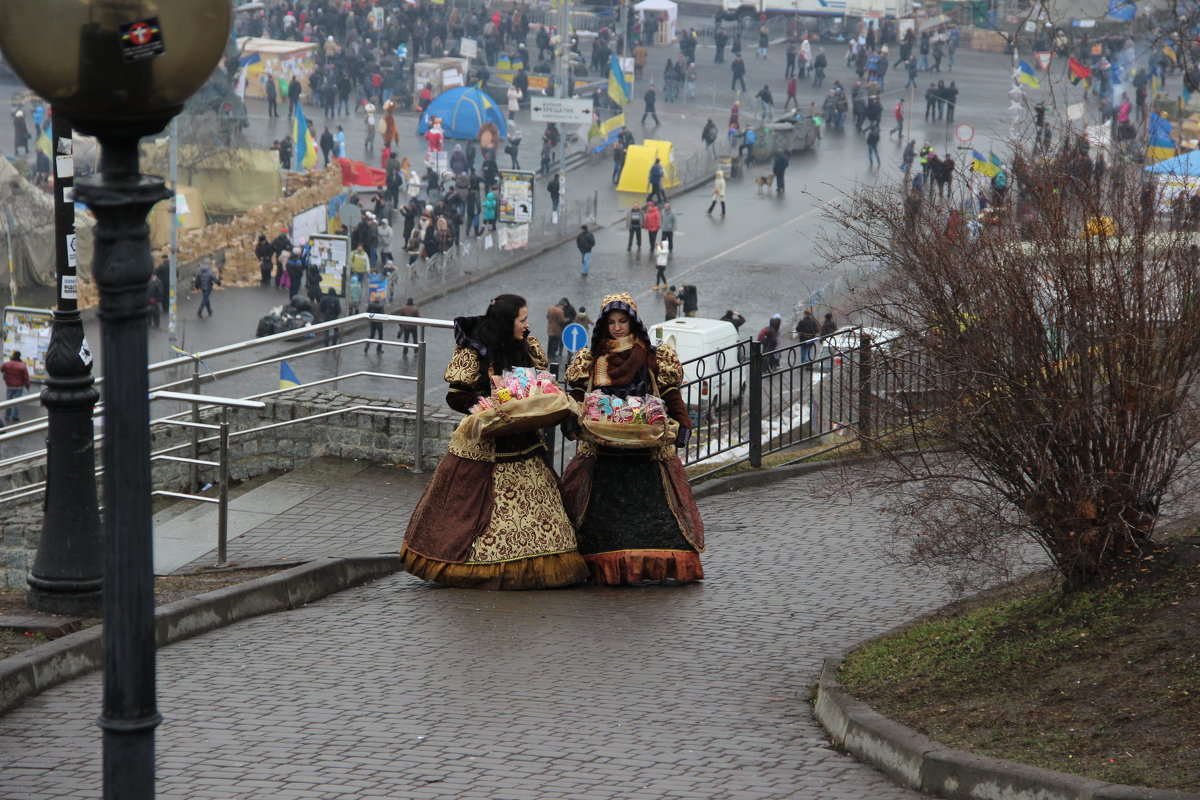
(1062, 347)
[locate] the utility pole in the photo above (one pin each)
(565, 82)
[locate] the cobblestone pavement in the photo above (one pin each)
(402, 690)
(365, 515)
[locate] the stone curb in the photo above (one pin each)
(27, 674)
(917, 762)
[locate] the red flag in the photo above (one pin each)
(1079, 71)
(356, 173)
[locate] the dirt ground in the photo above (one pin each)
(1106, 686)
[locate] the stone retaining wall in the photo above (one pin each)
(373, 435)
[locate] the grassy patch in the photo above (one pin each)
(1103, 683)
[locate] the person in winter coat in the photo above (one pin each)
(807, 331)
(668, 227)
(769, 337)
(295, 272)
(326, 145)
(828, 327)
(354, 293)
(671, 304)
(263, 251)
(652, 222)
(375, 306)
(709, 137)
(514, 102)
(384, 232)
(655, 179)
(331, 309)
(738, 70)
(554, 187)
(20, 134)
(513, 145)
(634, 224)
(312, 281)
(778, 169)
(458, 160)
(16, 383)
(585, 241)
(489, 211)
(556, 321)
(204, 280)
(718, 195)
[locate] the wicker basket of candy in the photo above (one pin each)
(522, 399)
(629, 423)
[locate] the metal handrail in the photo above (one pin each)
(194, 359)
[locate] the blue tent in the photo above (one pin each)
(463, 112)
(1187, 165)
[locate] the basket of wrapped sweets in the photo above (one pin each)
(522, 399)
(627, 423)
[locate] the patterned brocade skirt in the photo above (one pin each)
(493, 525)
(636, 517)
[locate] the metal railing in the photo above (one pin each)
(200, 373)
(221, 465)
(470, 256)
(813, 397)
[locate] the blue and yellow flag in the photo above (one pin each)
(1160, 144)
(982, 165)
(44, 144)
(287, 376)
(1026, 75)
(618, 87)
(306, 148)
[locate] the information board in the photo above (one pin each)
(28, 330)
(306, 223)
(516, 196)
(332, 254)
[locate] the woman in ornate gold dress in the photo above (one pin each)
(634, 511)
(492, 516)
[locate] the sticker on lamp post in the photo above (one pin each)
(141, 40)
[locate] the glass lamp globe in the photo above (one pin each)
(115, 66)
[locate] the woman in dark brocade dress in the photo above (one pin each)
(634, 512)
(492, 516)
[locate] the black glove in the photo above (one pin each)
(683, 437)
(570, 427)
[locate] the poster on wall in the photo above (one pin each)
(28, 330)
(332, 255)
(516, 196)
(514, 237)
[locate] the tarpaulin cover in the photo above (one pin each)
(32, 223)
(356, 173)
(230, 181)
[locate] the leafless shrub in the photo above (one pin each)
(1058, 342)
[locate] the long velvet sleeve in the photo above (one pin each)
(668, 374)
(579, 372)
(467, 381)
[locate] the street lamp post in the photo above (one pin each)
(120, 70)
(67, 574)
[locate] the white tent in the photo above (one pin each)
(666, 34)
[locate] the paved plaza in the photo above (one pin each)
(399, 689)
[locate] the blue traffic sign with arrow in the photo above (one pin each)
(575, 337)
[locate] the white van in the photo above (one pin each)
(693, 337)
